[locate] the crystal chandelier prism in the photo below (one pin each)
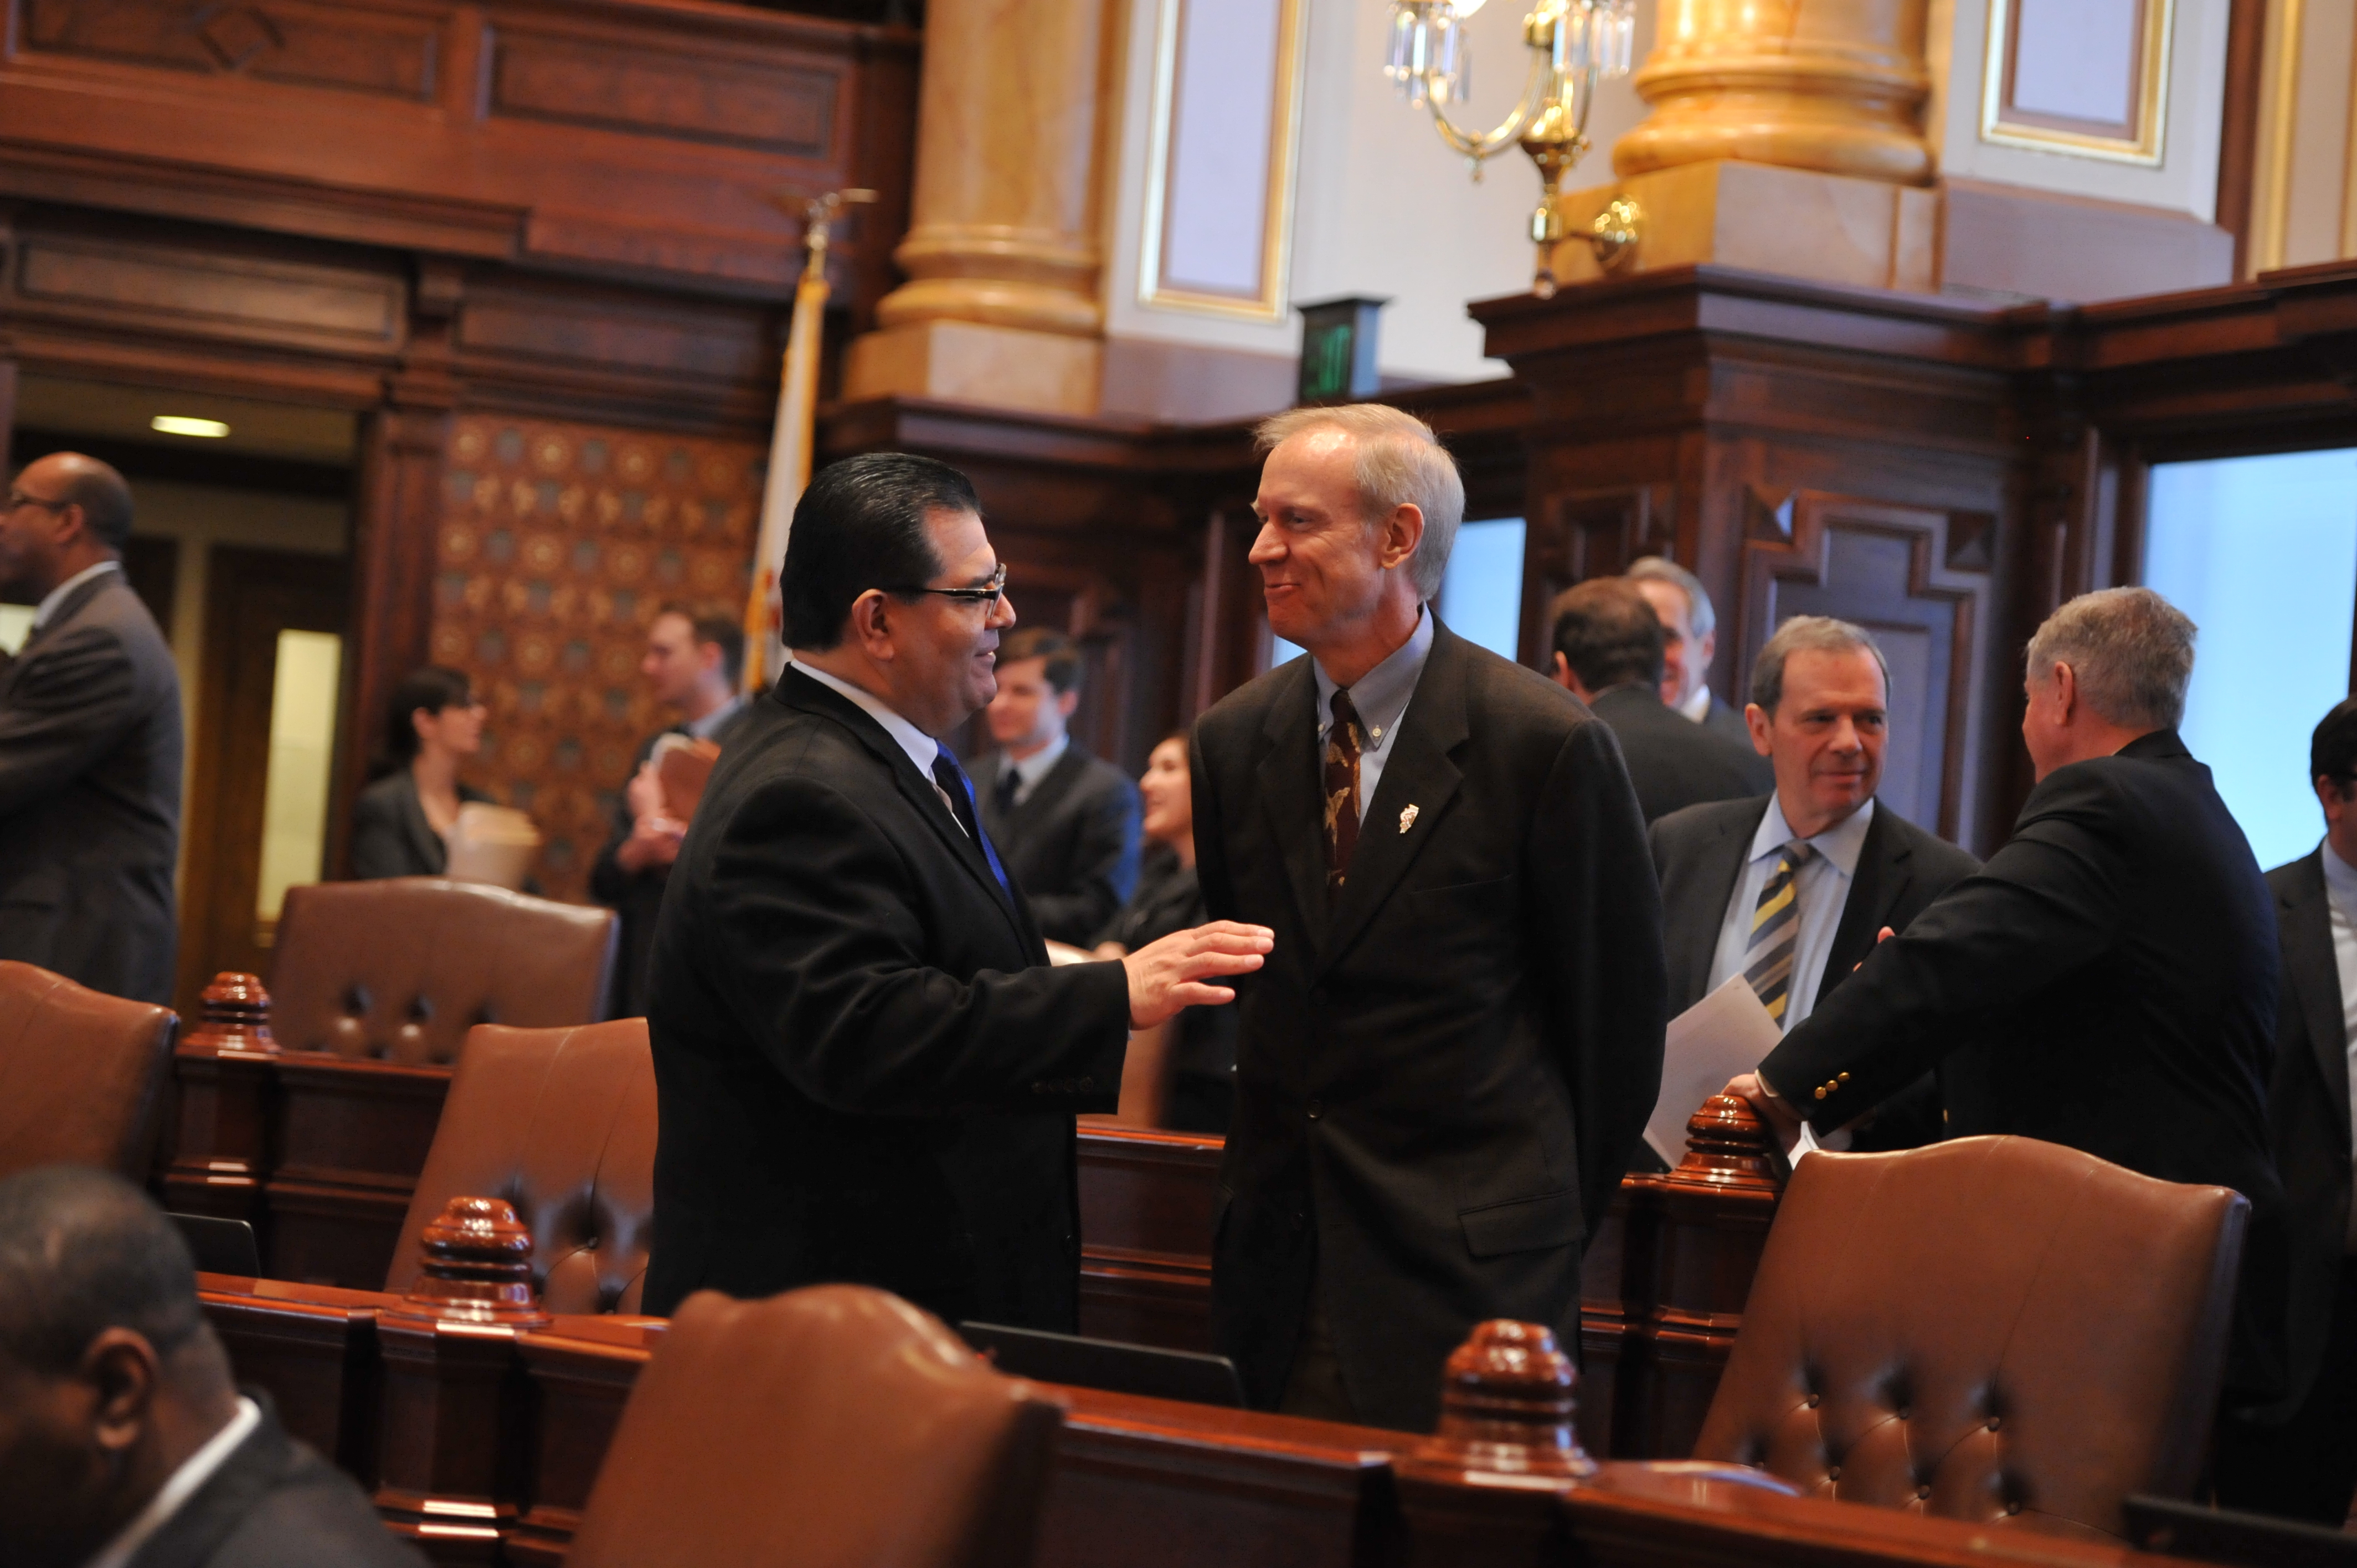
(1573, 45)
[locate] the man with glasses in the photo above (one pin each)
(89, 742)
(864, 1070)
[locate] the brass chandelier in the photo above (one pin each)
(1572, 44)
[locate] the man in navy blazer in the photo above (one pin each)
(864, 1070)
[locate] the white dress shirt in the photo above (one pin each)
(56, 596)
(702, 728)
(1034, 768)
(2341, 892)
(1822, 886)
(184, 1483)
(922, 747)
(1381, 696)
(1696, 707)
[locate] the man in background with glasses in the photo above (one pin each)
(89, 742)
(864, 1070)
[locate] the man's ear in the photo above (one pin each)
(1403, 531)
(1065, 701)
(1561, 673)
(120, 1367)
(871, 623)
(1756, 720)
(2066, 692)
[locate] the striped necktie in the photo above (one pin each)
(1343, 744)
(1776, 930)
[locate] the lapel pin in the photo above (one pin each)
(1407, 819)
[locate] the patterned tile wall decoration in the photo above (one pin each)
(559, 543)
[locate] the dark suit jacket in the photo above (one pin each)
(1675, 762)
(1699, 854)
(275, 1504)
(90, 795)
(1071, 846)
(1169, 899)
(390, 837)
(636, 896)
(2308, 1105)
(1439, 1079)
(2106, 981)
(1726, 721)
(864, 1070)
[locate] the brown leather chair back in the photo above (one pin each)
(84, 1073)
(560, 1123)
(399, 970)
(833, 1427)
(1988, 1330)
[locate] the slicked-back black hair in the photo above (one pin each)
(82, 1250)
(861, 525)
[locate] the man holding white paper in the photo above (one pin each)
(1791, 890)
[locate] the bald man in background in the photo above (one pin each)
(91, 745)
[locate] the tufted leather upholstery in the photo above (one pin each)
(83, 1071)
(400, 970)
(831, 1426)
(560, 1123)
(1986, 1329)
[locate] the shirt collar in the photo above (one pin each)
(56, 596)
(1034, 768)
(922, 747)
(1696, 707)
(702, 728)
(184, 1483)
(1381, 694)
(2340, 879)
(1842, 843)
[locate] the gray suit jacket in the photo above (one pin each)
(90, 795)
(1724, 720)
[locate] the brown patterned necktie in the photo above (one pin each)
(1342, 745)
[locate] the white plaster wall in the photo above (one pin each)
(1381, 206)
(2186, 177)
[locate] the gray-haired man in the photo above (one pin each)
(2107, 980)
(1457, 1038)
(1689, 641)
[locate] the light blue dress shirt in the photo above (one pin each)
(1822, 886)
(1381, 696)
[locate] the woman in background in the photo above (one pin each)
(401, 823)
(1201, 1041)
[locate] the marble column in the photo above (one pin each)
(1785, 136)
(1001, 305)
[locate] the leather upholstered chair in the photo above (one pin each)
(399, 970)
(1992, 1329)
(84, 1073)
(832, 1427)
(560, 1123)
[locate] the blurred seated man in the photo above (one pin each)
(1689, 640)
(1608, 645)
(123, 1442)
(1065, 822)
(1790, 889)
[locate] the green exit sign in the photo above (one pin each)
(1338, 350)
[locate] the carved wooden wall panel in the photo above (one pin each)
(557, 544)
(619, 84)
(389, 49)
(1579, 534)
(1918, 581)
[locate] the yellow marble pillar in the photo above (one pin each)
(1001, 307)
(1785, 136)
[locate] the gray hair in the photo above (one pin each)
(1401, 463)
(2130, 650)
(1808, 634)
(1662, 569)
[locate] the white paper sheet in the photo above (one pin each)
(1726, 1034)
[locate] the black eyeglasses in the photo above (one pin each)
(987, 596)
(18, 497)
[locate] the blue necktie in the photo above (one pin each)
(960, 789)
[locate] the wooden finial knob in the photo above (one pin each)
(1728, 1146)
(1507, 1405)
(235, 1015)
(478, 1267)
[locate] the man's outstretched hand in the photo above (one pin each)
(1176, 971)
(1773, 1109)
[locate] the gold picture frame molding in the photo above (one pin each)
(2004, 127)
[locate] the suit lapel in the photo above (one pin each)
(2312, 970)
(799, 691)
(429, 846)
(1701, 918)
(1290, 793)
(1419, 773)
(1884, 870)
(70, 606)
